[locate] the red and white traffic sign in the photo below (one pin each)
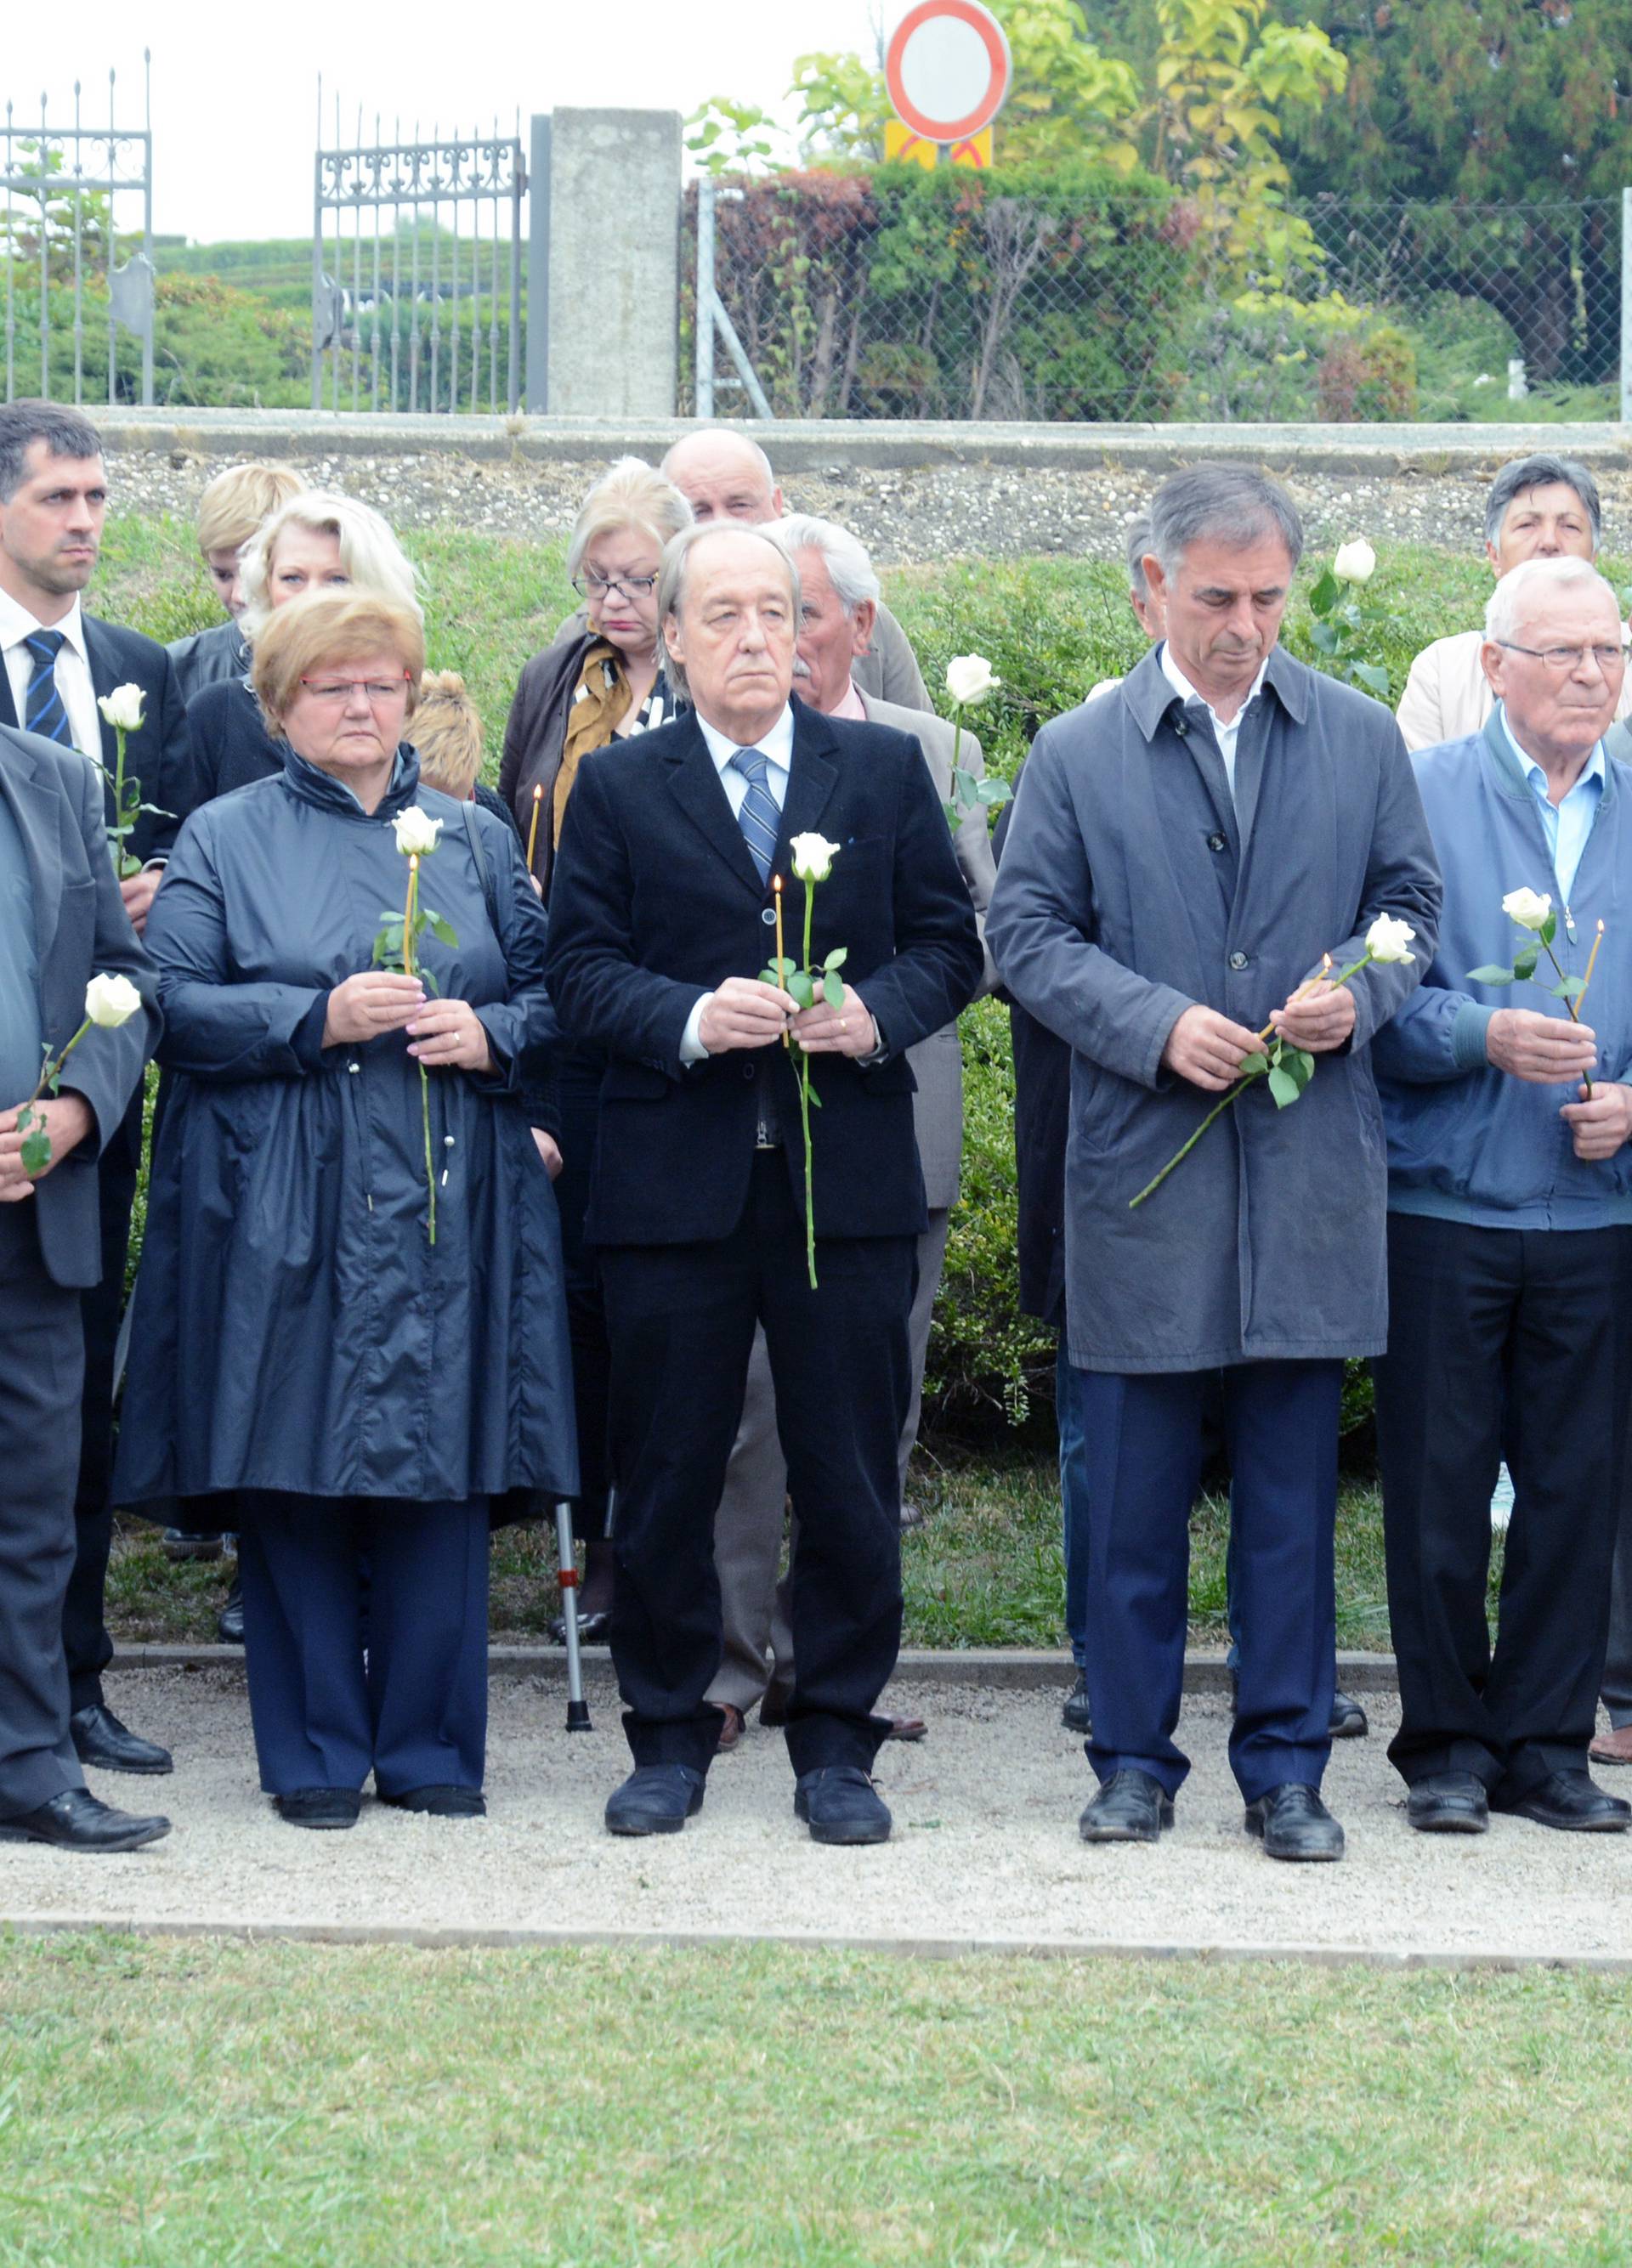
(947, 69)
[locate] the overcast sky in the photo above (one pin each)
(234, 88)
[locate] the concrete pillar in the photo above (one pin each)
(614, 264)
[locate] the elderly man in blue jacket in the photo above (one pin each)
(1510, 1228)
(1184, 853)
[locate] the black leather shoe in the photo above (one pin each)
(1295, 1823)
(593, 1629)
(1570, 1800)
(1348, 1720)
(1449, 1803)
(102, 1741)
(656, 1800)
(1130, 1808)
(1074, 1713)
(441, 1802)
(839, 1804)
(181, 1544)
(229, 1625)
(318, 1806)
(78, 1820)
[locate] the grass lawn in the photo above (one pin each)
(218, 2103)
(985, 1569)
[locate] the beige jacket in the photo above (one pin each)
(1448, 697)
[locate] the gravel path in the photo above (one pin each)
(925, 514)
(985, 1850)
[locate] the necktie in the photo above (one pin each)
(759, 819)
(42, 710)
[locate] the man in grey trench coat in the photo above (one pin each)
(1183, 854)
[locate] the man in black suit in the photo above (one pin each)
(61, 922)
(58, 662)
(661, 916)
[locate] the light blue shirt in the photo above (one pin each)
(1569, 821)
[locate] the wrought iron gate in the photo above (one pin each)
(59, 243)
(409, 311)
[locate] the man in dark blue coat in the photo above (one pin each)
(1184, 853)
(59, 661)
(662, 915)
(60, 922)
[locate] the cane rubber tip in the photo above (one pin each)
(578, 1717)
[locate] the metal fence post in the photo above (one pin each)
(1626, 307)
(702, 389)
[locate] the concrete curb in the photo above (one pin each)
(841, 444)
(1006, 1669)
(1491, 1958)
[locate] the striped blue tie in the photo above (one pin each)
(42, 708)
(759, 819)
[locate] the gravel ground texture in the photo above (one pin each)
(905, 516)
(985, 1850)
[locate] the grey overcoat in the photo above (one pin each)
(1133, 886)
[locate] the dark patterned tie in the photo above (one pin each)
(42, 710)
(759, 819)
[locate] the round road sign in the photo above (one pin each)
(947, 69)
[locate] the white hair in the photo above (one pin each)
(1507, 608)
(673, 575)
(370, 554)
(849, 569)
(721, 433)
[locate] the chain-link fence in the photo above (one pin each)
(944, 296)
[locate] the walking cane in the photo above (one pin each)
(577, 1707)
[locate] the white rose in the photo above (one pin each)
(1355, 562)
(813, 857)
(1390, 938)
(415, 831)
(969, 679)
(123, 707)
(110, 1001)
(1526, 908)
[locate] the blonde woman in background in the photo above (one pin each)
(231, 511)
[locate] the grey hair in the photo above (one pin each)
(1505, 610)
(1540, 472)
(1230, 502)
(849, 569)
(629, 494)
(722, 432)
(65, 432)
(673, 575)
(1138, 544)
(369, 553)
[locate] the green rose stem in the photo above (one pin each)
(1574, 1006)
(1219, 1107)
(408, 926)
(804, 1109)
(36, 1153)
(124, 865)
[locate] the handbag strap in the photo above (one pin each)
(467, 812)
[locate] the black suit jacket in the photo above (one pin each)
(54, 796)
(160, 755)
(656, 902)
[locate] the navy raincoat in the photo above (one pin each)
(293, 1329)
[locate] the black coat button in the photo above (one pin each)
(748, 1070)
(1218, 842)
(1237, 959)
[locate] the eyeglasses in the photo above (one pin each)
(633, 588)
(335, 690)
(1563, 657)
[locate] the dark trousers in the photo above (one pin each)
(681, 1320)
(331, 1699)
(1515, 1343)
(578, 1099)
(1143, 1448)
(85, 1640)
(42, 1362)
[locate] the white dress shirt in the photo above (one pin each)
(1225, 734)
(73, 670)
(776, 747)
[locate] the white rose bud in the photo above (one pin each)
(1355, 562)
(969, 679)
(110, 1001)
(1390, 938)
(1527, 907)
(123, 707)
(415, 831)
(813, 857)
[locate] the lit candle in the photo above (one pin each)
(532, 832)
